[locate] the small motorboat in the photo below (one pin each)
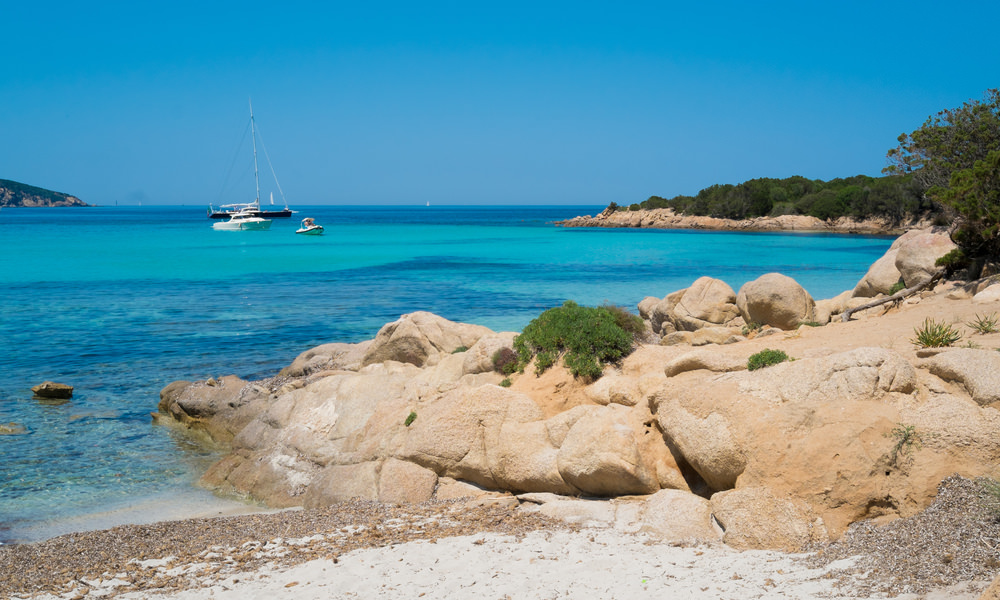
(243, 221)
(309, 227)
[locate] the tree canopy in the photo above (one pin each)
(955, 158)
(894, 197)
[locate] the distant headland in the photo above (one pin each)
(859, 204)
(14, 194)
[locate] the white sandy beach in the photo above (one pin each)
(589, 563)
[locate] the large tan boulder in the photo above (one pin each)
(776, 300)
(977, 370)
(479, 357)
(602, 456)
(706, 442)
(988, 295)
(917, 254)
(881, 276)
(707, 302)
(661, 317)
(420, 338)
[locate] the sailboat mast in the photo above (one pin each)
(253, 139)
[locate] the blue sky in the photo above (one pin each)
(471, 103)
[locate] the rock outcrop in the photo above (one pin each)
(667, 218)
(776, 300)
(682, 442)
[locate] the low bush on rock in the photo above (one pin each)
(505, 361)
(935, 335)
(586, 338)
(626, 320)
(766, 358)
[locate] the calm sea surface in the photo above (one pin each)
(118, 302)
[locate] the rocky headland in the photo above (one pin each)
(667, 218)
(14, 194)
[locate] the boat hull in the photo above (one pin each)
(264, 214)
(314, 230)
(254, 224)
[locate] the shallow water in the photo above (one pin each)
(118, 302)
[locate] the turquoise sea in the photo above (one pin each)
(118, 302)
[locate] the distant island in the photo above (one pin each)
(14, 194)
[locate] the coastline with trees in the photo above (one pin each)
(945, 173)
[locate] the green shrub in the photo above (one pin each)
(935, 335)
(752, 327)
(766, 358)
(460, 349)
(506, 382)
(984, 325)
(587, 338)
(626, 320)
(505, 361)
(897, 287)
(953, 261)
(410, 419)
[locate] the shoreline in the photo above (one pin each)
(667, 218)
(191, 502)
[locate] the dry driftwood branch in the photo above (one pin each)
(898, 296)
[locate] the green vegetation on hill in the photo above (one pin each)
(860, 197)
(13, 193)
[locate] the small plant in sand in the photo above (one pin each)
(907, 440)
(984, 325)
(897, 287)
(766, 358)
(410, 419)
(586, 338)
(506, 382)
(460, 349)
(751, 327)
(935, 335)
